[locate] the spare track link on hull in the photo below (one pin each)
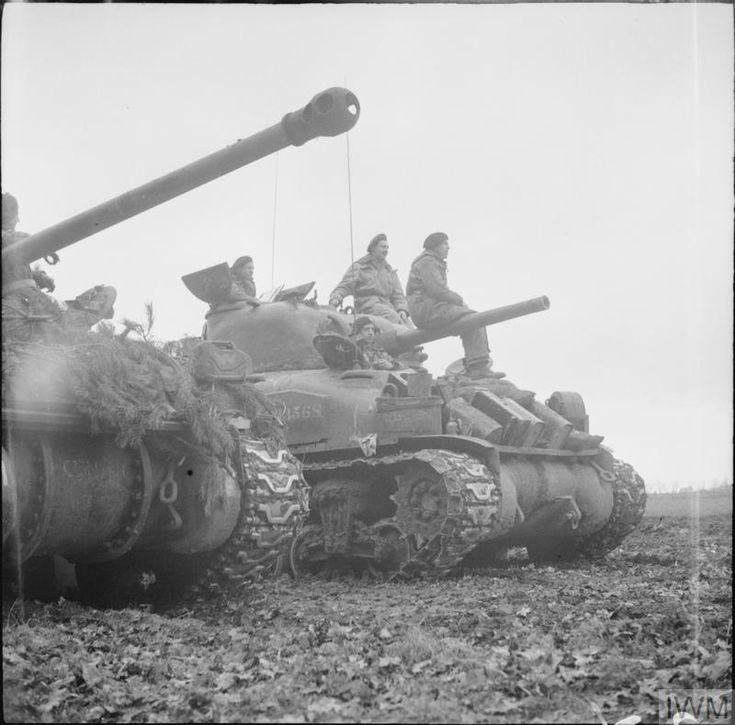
(447, 503)
(629, 503)
(273, 509)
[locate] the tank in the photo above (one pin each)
(118, 453)
(411, 475)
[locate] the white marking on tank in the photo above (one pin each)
(283, 518)
(482, 491)
(277, 488)
(263, 455)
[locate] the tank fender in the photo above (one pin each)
(476, 447)
(509, 510)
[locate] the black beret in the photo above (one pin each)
(435, 239)
(241, 261)
(10, 205)
(377, 238)
(360, 322)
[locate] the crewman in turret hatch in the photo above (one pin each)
(243, 284)
(370, 354)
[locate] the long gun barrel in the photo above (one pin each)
(398, 341)
(329, 113)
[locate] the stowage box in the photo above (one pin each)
(401, 417)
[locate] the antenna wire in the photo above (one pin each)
(273, 235)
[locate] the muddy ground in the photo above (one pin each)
(516, 644)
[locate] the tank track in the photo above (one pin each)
(468, 501)
(274, 507)
(629, 503)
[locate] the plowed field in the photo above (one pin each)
(518, 644)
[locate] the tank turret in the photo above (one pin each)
(280, 335)
(329, 113)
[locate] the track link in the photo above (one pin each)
(468, 501)
(629, 503)
(273, 510)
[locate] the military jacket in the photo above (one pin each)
(375, 357)
(368, 283)
(241, 289)
(13, 268)
(428, 279)
(247, 286)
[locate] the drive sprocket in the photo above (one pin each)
(629, 503)
(449, 503)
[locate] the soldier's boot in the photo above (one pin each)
(478, 363)
(477, 370)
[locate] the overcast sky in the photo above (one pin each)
(581, 151)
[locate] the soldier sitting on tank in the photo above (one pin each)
(370, 354)
(14, 270)
(431, 304)
(27, 312)
(374, 285)
(30, 314)
(243, 285)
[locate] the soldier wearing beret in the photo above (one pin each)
(431, 303)
(243, 285)
(374, 285)
(372, 356)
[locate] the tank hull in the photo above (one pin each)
(344, 429)
(73, 489)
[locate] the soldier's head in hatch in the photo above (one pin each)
(243, 268)
(364, 327)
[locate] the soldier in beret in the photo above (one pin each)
(243, 285)
(372, 356)
(374, 285)
(431, 303)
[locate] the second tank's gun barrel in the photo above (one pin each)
(398, 341)
(329, 113)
